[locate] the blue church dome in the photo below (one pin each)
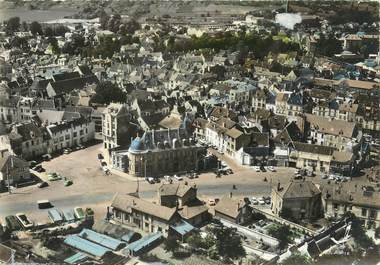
(137, 145)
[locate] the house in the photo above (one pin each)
(299, 199)
(117, 128)
(70, 133)
(26, 140)
(13, 170)
(233, 210)
(359, 198)
(340, 134)
(143, 215)
(176, 195)
(310, 156)
(256, 152)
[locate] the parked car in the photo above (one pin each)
(43, 204)
(178, 178)
(256, 168)
(150, 180)
(262, 168)
(32, 164)
(79, 213)
(254, 201)
(211, 202)
(46, 157)
(39, 168)
(261, 202)
(68, 182)
(42, 184)
(100, 156)
(25, 222)
(167, 178)
(67, 151)
(54, 176)
(106, 169)
(272, 169)
(157, 180)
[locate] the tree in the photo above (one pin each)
(131, 26)
(60, 30)
(107, 92)
(49, 32)
(103, 19)
(35, 28)
(228, 243)
(12, 24)
(171, 244)
(328, 45)
(282, 233)
(19, 42)
(297, 259)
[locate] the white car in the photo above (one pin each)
(179, 178)
(254, 201)
(261, 202)
(256, 168)
(167, 178)
(270, 168)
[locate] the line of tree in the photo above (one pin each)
(247, 42)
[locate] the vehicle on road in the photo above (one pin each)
(46, 157)
(261, 202)
(271, 168)
(32, 164)
(254, 201)
(100, 156)
(324, 176)
(25, 222)
(213, 201)
(54, 176)
(13, 223)
(42, 184)
(39, 168)
(167, 178)
(67, 151)
(256, 168)
(106, 169)
(157, 180)
(178, 178)
(79, 213)
(150, 180)
(44, 204)
(68, 182)
(262, 168)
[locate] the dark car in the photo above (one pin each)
(262, 168)
(39, 168)
(42, 184)
(157, 180)
(100, 156)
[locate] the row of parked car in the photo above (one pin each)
(190, 175)
(263, 169)
(18, 222)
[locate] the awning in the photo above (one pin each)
(183, 228)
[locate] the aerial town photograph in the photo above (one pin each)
(204, 132)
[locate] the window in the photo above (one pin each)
(364, 212)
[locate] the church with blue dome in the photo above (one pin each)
(161, 152)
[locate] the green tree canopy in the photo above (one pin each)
(297, 259)
(282, 233)
(107, 92)
(12, 24)
(171, 244)
(228, 242)
(35, 28)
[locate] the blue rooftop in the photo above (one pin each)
(105, 241)
(183, 228)
(142, 243)
(137, 145)
(86, 246)
(76, 258)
